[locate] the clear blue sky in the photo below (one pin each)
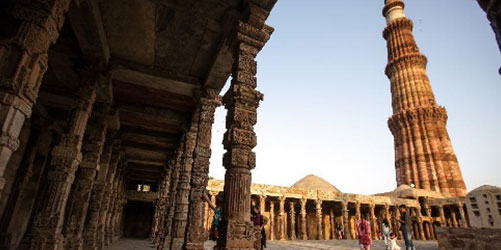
(327, 99)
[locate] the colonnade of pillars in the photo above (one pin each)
(303, 219)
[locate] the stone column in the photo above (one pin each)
(397, 223)
(33, 27)
(387, 215)
(318, 209)
(304, 233)
(183, 187)
(166, 239)
(272, 220)
(443, 222)
(281, 219)
(372, 219)
(241, 101)
(346, 222)
(35, 160)
(117, 219)
(196, 236)
(262, 204)
(66, 157)
(454, 218)
(358, 215)
(292, 216)
(332, 228)
(164, 203)
(107, 163)
(97, 239)
(464, 222)
(420, 223)
(91, 149)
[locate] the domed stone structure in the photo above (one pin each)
(313, 182)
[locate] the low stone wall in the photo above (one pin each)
(468, 238)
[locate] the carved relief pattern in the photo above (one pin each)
(304, 234)
(423, 151)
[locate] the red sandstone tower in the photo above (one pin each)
(423, 150)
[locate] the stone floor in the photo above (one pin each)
(145, 244)
(333, 244)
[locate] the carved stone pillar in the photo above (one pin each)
(397, 223)
(454, 218)
(66, 157)
(108, 162)
(166, 240)
(262, 204)
(387, 215)
(372, 219)
(304, 232)
(443, 222)
(318, 209)
(464, 222)
(272, 220)
(292, 216)
(346, 222)
(241, 101)
(92, 149)
(420, 223)
(183, 187)
(196, 236)
(35, 160)
(332, 222)
(163, 203)
(117, 219)
(33, 27)
(116, 166)
(281, 219)
(357, 211)
(111, 212)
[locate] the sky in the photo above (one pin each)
(327, 99)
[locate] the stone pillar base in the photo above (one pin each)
(236, 235)
(194, 246)
(167, 242)
(177, 244)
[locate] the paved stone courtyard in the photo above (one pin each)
(145, 244)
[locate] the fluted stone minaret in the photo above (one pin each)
(423, 151)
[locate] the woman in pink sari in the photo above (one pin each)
(364, 233)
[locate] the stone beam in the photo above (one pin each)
(144, 112)
(148, 154)
(85, 18)
(153, 82)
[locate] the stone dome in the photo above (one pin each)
(313, 182)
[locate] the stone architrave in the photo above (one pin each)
(346, 221)
(183, 187)
(292, 216)
(108, 162)
(33, 27)
(281, 219)
(92, 149)
(318, 209)
(196, 235)
(66, 157)
(423, 151)
(166, 239)
(24, 204)
(241, 101)
(272, 220)
(304, 233)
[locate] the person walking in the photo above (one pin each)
(405, 227)
(364, 233)
(386, 233)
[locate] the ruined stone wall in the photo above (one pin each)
(468, 238)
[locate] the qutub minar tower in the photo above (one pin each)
(423, 152)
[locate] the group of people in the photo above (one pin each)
(390, 239)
